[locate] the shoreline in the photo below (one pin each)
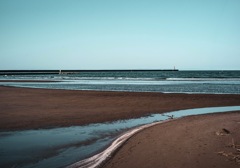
(103, 157)
(31, 108)
(208, 140)
(108, 156)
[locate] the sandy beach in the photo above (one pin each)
(25, 108)
(196, 141)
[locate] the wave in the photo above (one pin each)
(113, 78)
(119, 78)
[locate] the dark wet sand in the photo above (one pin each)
(24, 108)
(211, 141)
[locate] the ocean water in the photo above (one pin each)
(214, 82)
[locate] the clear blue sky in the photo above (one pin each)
(120, 34)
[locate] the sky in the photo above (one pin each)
(120, 34)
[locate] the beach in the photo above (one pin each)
(186, 142)
(28, 108)
(196, 141)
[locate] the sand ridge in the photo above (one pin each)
(25, 108)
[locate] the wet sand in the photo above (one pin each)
(24, 108)
(196, 141)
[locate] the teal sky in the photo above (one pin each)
(120, 34)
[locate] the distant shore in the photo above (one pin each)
(26, 108)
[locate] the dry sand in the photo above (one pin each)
(24, 108)
(192, 142)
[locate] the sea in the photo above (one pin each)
(203, 82)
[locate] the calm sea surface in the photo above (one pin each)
(216, 82)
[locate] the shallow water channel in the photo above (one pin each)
(59, 147)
